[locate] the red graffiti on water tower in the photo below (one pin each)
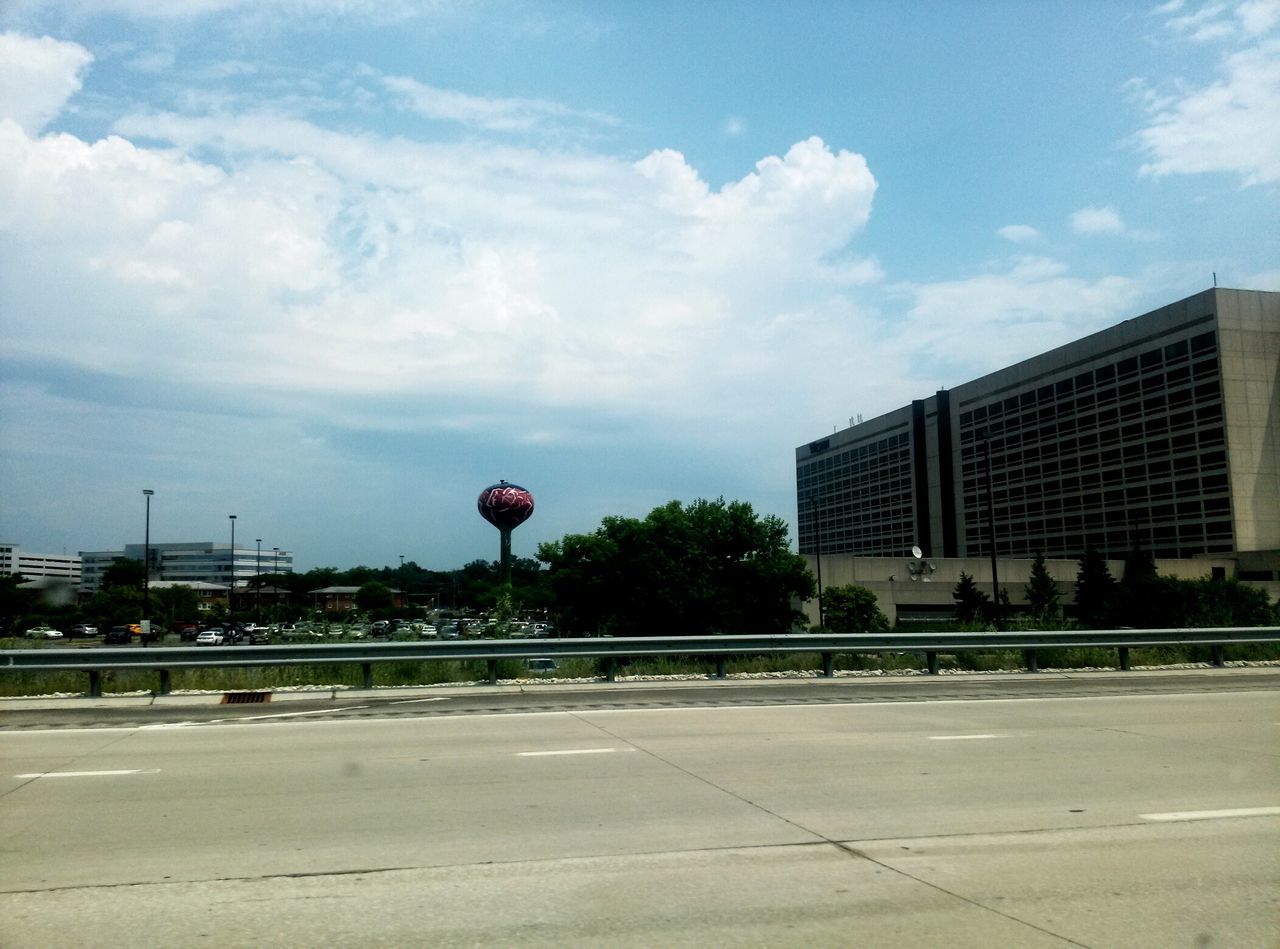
(505, 506)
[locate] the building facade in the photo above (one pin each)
(191, 562)
(1161, 431)
(15, 560)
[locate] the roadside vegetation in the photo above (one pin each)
(696, 569)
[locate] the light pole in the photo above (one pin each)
(231, 589)
(991, 523)
(402, 581)
(257, 579)
(146, 563)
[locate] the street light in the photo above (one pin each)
(402, 581)
(146, 563)
(231, 589)
(257, 579)
(991, 522)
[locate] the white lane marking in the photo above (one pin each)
(438, 698)
(82, 774)
(574, 751)
(1215, 815)
(255, 718)
(963, 737)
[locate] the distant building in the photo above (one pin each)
(190, 562)
(1162, 431)
(14, 560)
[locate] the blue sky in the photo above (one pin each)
(334, 267)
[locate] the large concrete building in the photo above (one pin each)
(1163, 430)
(191, 562)
(15, 560)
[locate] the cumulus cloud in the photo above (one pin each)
(274, 254)
(1232, 124)
(1092, 220)
(37, 77)
(1020, 233)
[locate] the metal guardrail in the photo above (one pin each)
(166, 658)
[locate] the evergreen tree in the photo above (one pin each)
(971, 603)
(1042, 591)
(1095, 590)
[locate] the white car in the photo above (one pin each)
(209, 637)
(43, 632)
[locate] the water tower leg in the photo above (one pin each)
(504, 570)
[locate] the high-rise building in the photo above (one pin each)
(1162, 431)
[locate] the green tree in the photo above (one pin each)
(122, 572)
(685, 569)
(374, 595)
(174, 604)
(1095, 590)
(1136, 592)
(972, 605)
(1042, 591)
(852, 609)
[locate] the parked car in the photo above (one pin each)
(260, 636)
(541, 666)
(380, 628)
(117, 636)
(43, 632)
(210, 637)
(81, 631)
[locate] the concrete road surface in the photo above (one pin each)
(1143, 820)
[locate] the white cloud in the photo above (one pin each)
(1092, 220)
(491, 114)
(1023, 306)
(1020, 234)
(1232, 124)
(733, 126)
(37, 77)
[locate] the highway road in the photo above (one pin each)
(1148, 818)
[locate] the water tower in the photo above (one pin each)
(506, 507)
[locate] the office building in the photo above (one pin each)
(15, 560)
(1161, 431)
(192, 562)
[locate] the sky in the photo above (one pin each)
(335, 266)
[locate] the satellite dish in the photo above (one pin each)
(917, 553)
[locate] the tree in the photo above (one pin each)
(691, 570)
(374, 595)
(1042, 591)
(852, 609)
(1134, 596)
(1095, 590)
(123, 572)
(972, 604)
(174, 604)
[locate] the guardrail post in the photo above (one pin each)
(95, 684)
(367, 669)
(610, 670)
(722, 667)
(1030, 661)
(1124, 658)
(931, 661)
(165, 687)
(493, 671)
(828, 665)
(1218, 654)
